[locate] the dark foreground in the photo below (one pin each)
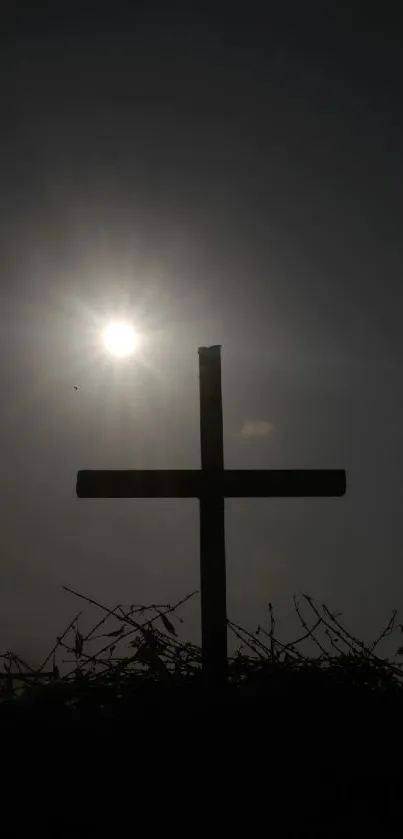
(128, 739)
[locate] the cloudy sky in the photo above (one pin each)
(214, 179)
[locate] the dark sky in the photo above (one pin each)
(231, 178)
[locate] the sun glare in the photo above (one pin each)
(120, 339)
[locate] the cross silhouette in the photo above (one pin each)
(211, 485)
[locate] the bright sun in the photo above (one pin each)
(120, 339)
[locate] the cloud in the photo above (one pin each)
(256, 428)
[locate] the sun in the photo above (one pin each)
(120, 339)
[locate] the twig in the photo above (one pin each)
(387, 631)
(307, 628)
(59, 640)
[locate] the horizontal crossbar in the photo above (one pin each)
(235, 483)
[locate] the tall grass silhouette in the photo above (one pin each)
(133, 658)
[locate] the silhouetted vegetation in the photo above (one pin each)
(133, 658)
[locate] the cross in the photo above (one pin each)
(211, 485)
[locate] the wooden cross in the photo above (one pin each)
(211, 485)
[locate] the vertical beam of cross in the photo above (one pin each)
(212, 522)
